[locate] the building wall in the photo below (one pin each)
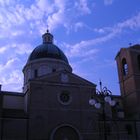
(47, 109)
(48, 116)
(14, 129)
(13, 102)
(1, 100)
(43, 66)
(53, 108)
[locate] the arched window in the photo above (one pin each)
(138, 61)
(124, 66)
(42, 70)
(35, 73)
(28, 74)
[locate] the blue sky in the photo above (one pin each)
(90, 32)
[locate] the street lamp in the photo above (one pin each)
(103, 97)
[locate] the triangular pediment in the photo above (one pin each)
(65, 77)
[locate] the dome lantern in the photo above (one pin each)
(47, 37)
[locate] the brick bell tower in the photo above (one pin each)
(128, 64)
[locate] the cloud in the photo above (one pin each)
(55, 20)
(58, 17)
(11, 76)
(85, 44)
(82, 5)
(13, 81)
(10, 71)
(42, 4)
(17, 48)
(108, 2)
(11, 63)
(23, 48)
(14, 77)
(18, 19)
(6, 2)
(78, 26)
(132, 23)
(83, 53)
(100, 30)
(77, 52)
(11, 21)
(2, 50)
(43, 13)
(110, 32)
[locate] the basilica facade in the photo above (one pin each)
(57, 104)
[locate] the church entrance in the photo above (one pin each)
(65, 132)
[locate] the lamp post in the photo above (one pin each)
(103, 96)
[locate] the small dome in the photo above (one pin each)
(47, 50)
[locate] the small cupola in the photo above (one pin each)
(47, 37)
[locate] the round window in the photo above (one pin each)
(64, 97)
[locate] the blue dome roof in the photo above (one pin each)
(47, 50)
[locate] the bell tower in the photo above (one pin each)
(128, 64)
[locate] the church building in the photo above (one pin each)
(57, 104)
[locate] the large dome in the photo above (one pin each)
(47, 50)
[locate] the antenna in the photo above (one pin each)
(100, 83)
